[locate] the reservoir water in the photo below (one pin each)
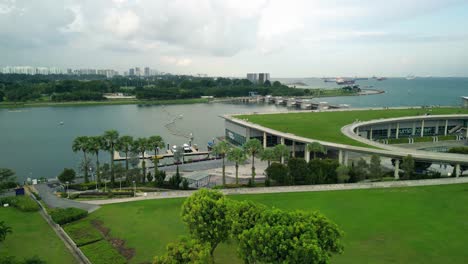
(35, 144)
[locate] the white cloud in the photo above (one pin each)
(176, 61)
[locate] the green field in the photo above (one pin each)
(401, 225)
(32, 236)
(326, 126)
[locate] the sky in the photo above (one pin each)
(287, 38)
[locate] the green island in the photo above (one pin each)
(396, 225)
(32, 236)
(326, 126)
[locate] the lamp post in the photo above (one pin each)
(134, 189)
(68, 193)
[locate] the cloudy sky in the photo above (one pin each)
(288, 38)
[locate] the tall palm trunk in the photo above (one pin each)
(237, 173)
(126, 166)
(224, 172)
(253, 168)
(155, 161)
(143, 166)
(86, 178)
(112, 166)
(98, 175)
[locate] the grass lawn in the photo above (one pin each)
(32, 236)
(401, 225)
(327, 126)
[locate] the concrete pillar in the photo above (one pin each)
(370, 136)
(357, 131)
(294, 149)
(446, 127)
(306, 154)
(345, 158)
(247, 136)
(466, 132)
(397, 130)
(389, 131)
(413, 132)
(282, 143)
(397, 169)
(340, 156)
(457, 170)
(264, 140)
(437, 128)
(422, 128)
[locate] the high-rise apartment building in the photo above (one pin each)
(253, 77)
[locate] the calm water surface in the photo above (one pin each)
(34, 144)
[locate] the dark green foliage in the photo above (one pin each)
(290, 237)
(159, 178)
(4, 231)
(34, 260)
(67, 215)
(459, 150)
(408, 167)
(175, 180)
(82, 232)
(7, 177)
(323, 171)
(185, 184)
(206, 215)
(67, 175)
(375, 169)
(23, 203)
(102, 252)
(358, 172)
(149, 177)
(244, 215)
(279, 173)
(298, 171)
(12, 260)
(186, 250)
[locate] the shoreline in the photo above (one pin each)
(6, 105)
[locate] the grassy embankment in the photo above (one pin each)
(32, 236)
(326, 126)
(401, 225)
(42, 103)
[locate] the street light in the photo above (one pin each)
(134, 189)
(68, 193)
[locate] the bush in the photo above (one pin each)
(279, 173)
(185, 184)
(83, 186)
(67, 175)
(23, 203)
(67, 215)
(83, 233)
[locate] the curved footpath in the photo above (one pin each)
(286, 189)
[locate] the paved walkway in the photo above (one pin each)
(284, 189)
(47, 195)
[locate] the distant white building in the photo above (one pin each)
(259, 78)
(253, 77)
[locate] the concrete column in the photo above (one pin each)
(306, 154)
(345, 158)
(397, 169)
(446, 127)
(422, 128)
(264, 140)
(370, 137)
(437, 128)
(413, 132)
(294, 149)
(282, 143)
(357, 131)
(466, 132)
(397, 130)
(247, 136)
(340, 156)
(457, 170)
(389, 131)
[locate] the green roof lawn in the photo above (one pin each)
(326, 126)
(395, 225)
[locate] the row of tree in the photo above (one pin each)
(110, 141)
(262, 235)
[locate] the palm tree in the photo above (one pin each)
(282, 152)
(156, 142)
(110, 141)
(268, 155)
(252, 148)
(4, 231)
(95, 144)
(237, 155)
(316, 147)
(141, 145)
(81, 144)
(124, 144)
(220, 149)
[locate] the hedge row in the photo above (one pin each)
(102, 252)
(23, 203)
(67, 215)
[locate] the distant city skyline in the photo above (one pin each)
(296, 38)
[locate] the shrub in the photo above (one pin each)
(83, 186)
(279, 173)
(67, 215)
(67, 175)
(82, 233)
(23, 203)
(185, 184)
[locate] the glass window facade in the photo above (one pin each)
(235, 138)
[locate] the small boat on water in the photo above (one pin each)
(410, 77)
(61, 123)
